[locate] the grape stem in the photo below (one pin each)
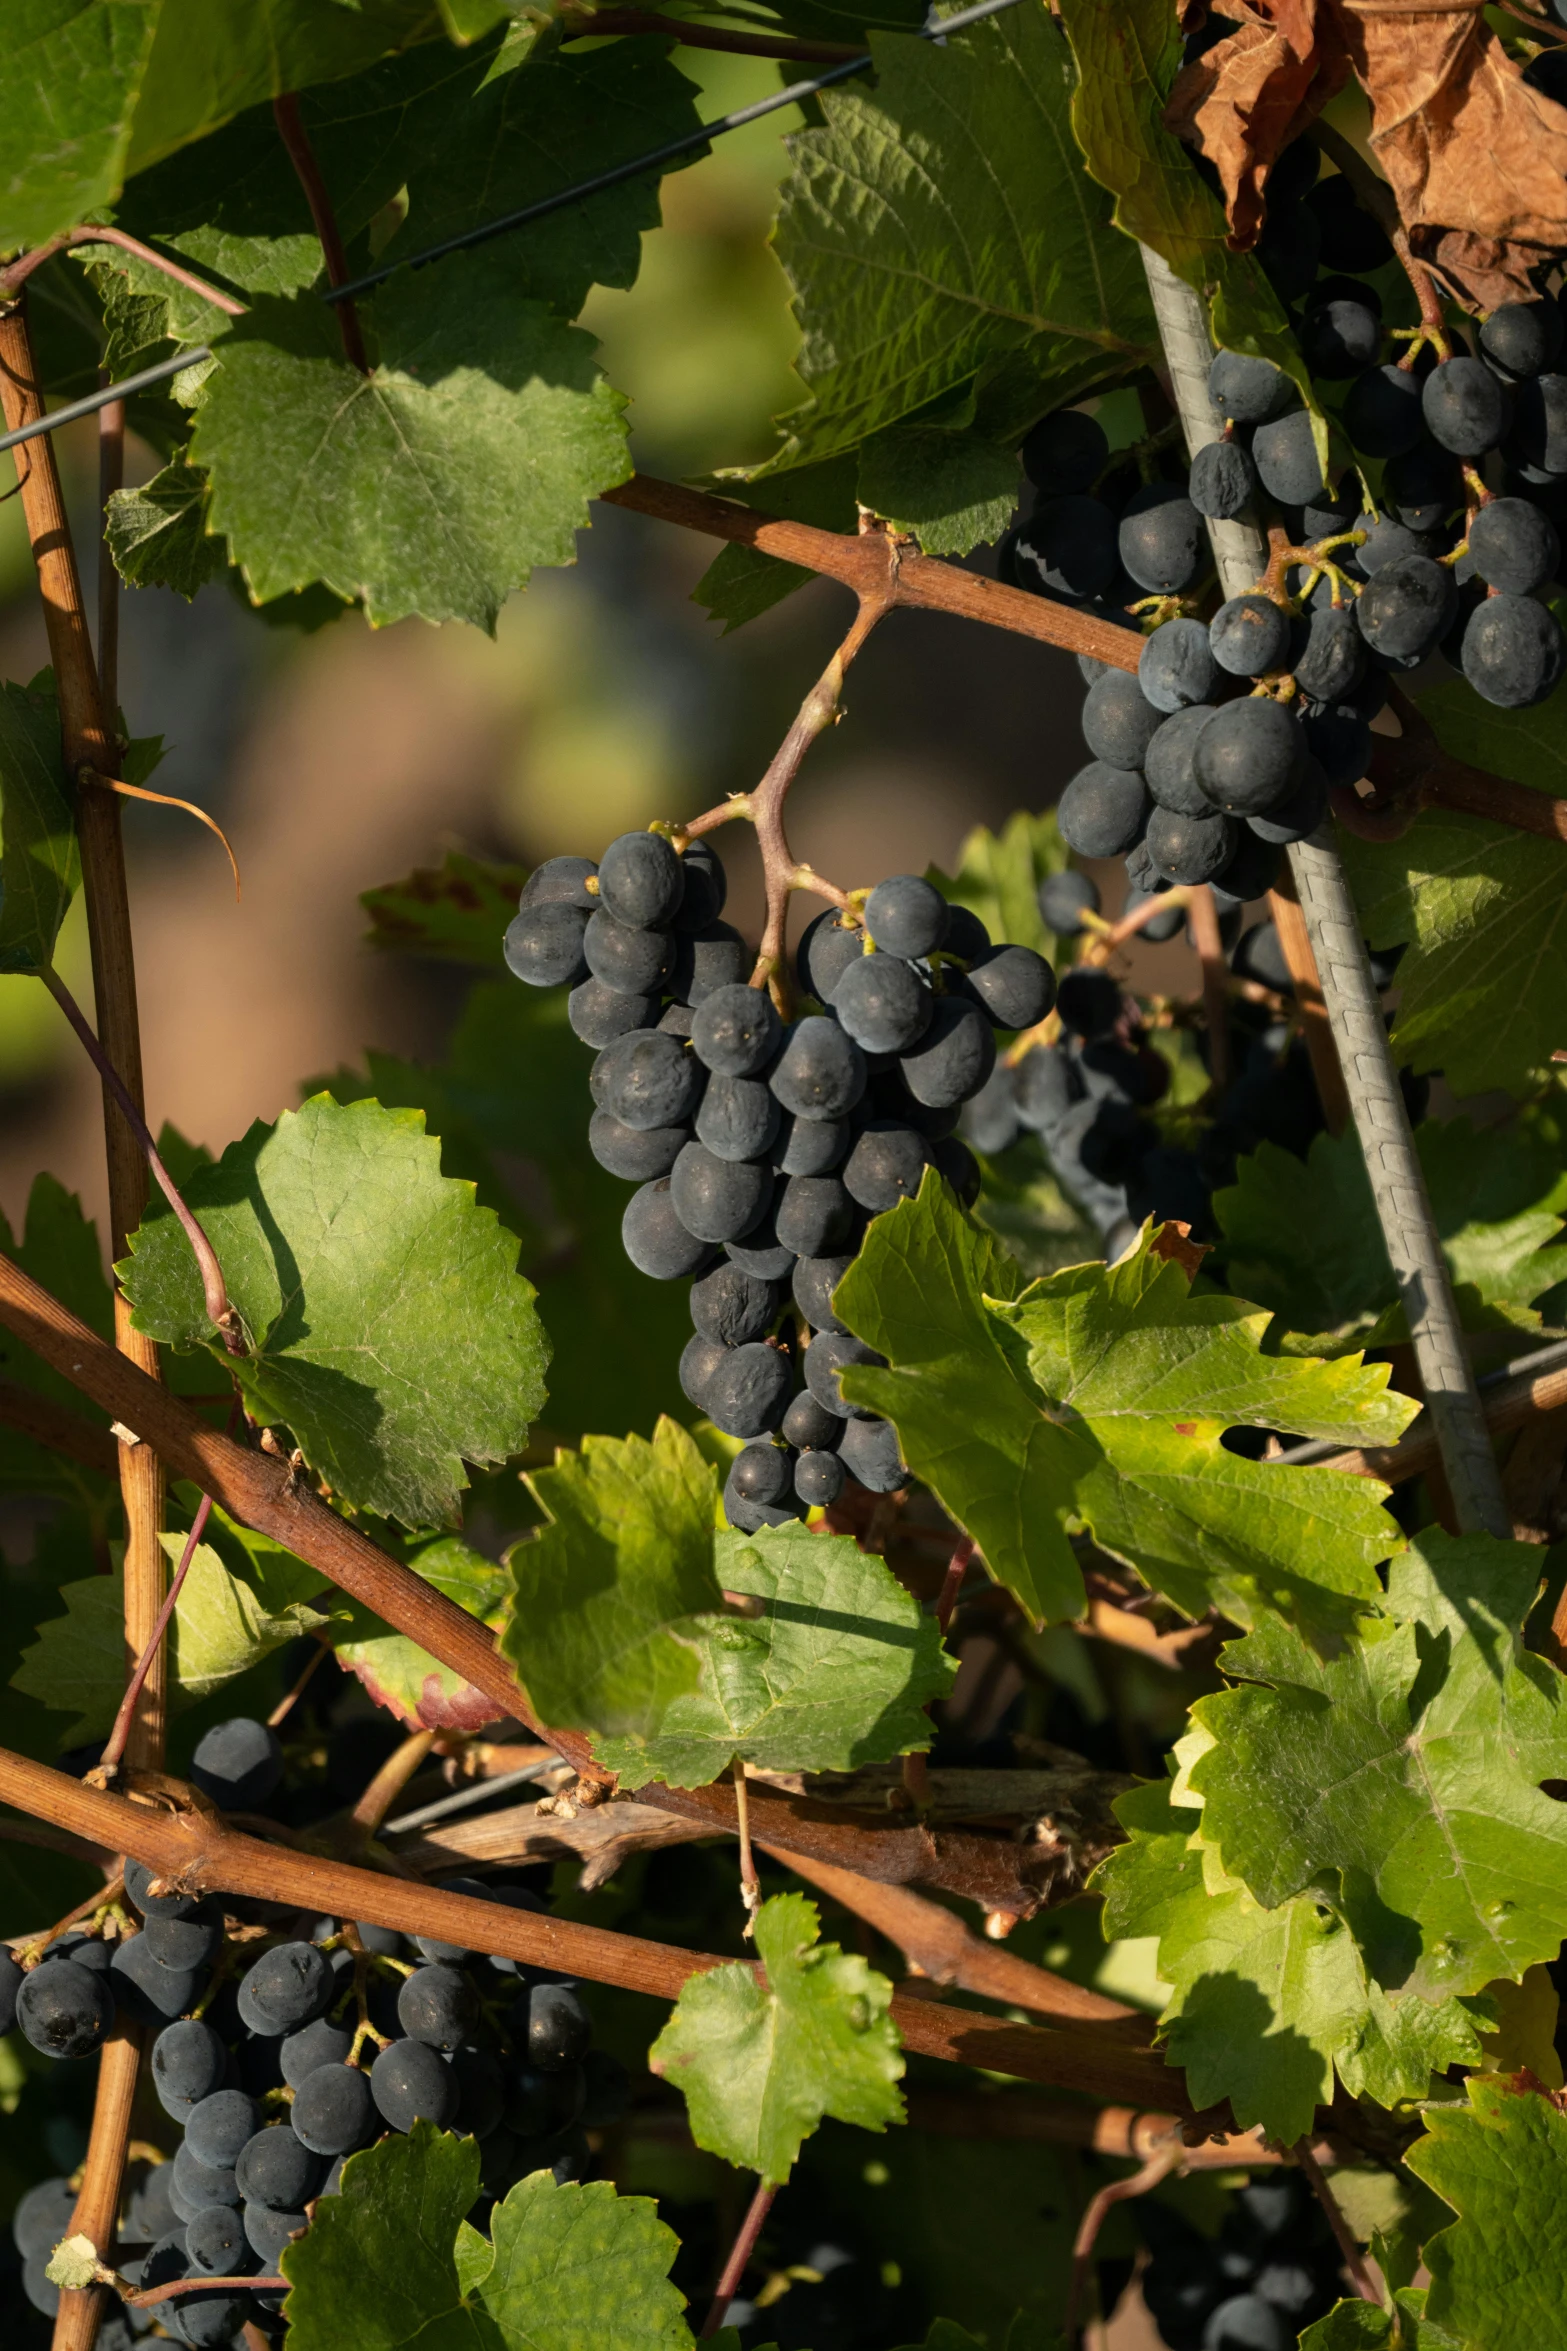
(148, 2297)
(1354, 2260)
(296, 139)
(389, 1783)
(740, 2253)
(108, 1764)
(1157, 2167)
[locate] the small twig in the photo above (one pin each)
(1204, 918)
(390, 1781)
(36, 1945)
(952, 1581)
(17, 273)
(1158, 2166)
(108, 1763)
(170, 800)
(589, 24)
(214, 1290)
(285, 1706)
(740, 2253)
(1354, 2261)
(750, 1886)
(148, 2297)
(111, 476)
(292, 132)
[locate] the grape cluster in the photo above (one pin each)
(1220, 751)
(1272, 2271)
(762, 1148)
(312, 2040)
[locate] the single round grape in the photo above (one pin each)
(1067, 548)
(827, 947)
(551, 2027)
(827, 1355)
(1246, 390)
(635, 1154)
(1162, 541)
(1351, 238)
(1222, 481)
(1405, 607)
(561, 881)
(967, 937)
(1172, 776)
(1422, 487)
(1512, 652)
(1190, 848)
(289, 1986)
(749, 1518)
(1065, 452)
(641, 881)
(707, 960)
(736, 1031)
(598, 1015)
(1175, 669)
(1540, 423)
(439, 2005)
(746, 1393)
(718, 1199)
(42, 2217)
(1245, 759)
(1340, 336)
(808, 1425)
(189, 2063)
(1382, 414)
(810, 1146)
(990, 1120)
(215, 2241)
(1515, 546)
(654, 1238)
(739, 1118)
(887, 1165)
(1333, 656)
(954, 1057)
(1523, 338)
(761, 1473)
(1250, 635)
(635, 962)
(814, 1214)
(1301, 814)
(199, 2184)
(544, 945)
(1064, 898)
(151, 2212)
(1103, 810)
(1340, 741)
(761, 1254)
(220, 2126)
(1013, 987)
(1089, 1002)
(64, 2010)
(1285, 455)
(238, 1763)
(410, 2082)
(814, 1281)
(1119, 721)
(277, 2168)
(818, 1479)
(883, 1004)
(1466, 407)
(163, 2266)
(906, 916)
(269, 2229)
(820, 1072)
(333, 2111)
(647, 1079)
(732, 1307)
(138, 1880)
(1045, 1086)
(1252, 870)
(869, 1452)
(704, 887)
(180, 1943)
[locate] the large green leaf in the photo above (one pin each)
(763, 2056)
(1099, 1399)
(157, 534)
(600, 1630)
(1496, 2273)
(949, 491)
(1411, 1765)
(1127, 57)
(385, 1321)
(40, 869)
(402, 1677)
(1482, 907)
(1264, 2003)
(1303, 1237)
(435, 484)
(836, 1671)
(59, 1249)
(582, 2269)
(940, 223)
(73, 68)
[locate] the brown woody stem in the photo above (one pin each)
(1158, 2166)
(108, 1763)
(740, 2253)
(292, 132)
(103, 2177)
(390, 1781)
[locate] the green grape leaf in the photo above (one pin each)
(582, 2269)
(1099, 1399)
(72, 70)
(599, 1628)
(742, 582)
(1264, 2003)
(1303, 1237)
(1502, 2165)
(764, 2054)
(949, 491)
(435, 484)
(385, 1321)
(40, 870)
(158, 533)
(456, 913)
(384, 2248)
(899, 306)
(836, 1671)
(1410, 1764)
(1483, 908)
(397, 1673)
(998, 879)
(1127, 58)
(220, 1629)
(59, 1249)
(1351, 2326)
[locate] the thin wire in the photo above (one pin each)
(474, 1795)
(643, 163)
(93, 401)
